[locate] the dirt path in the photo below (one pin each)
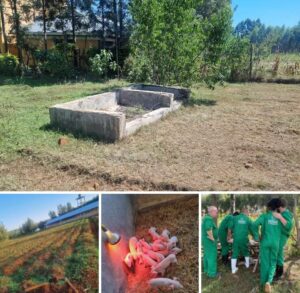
(241, 137)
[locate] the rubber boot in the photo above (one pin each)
(233, 266)
(247, 262)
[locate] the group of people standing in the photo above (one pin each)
(271, 231)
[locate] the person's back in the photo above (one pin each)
(270, 230)
(241, 227)
(223, 228)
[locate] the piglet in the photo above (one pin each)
(155, 255)
(165, 282)
(158, 245)
(163, 265)
(132, 247)
(148, 261)
(153, 233)
(165, 235)
(129, 260)
(175, 250)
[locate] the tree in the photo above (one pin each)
(52, 214)
(28, 227)
(216, 22)
(3, 26)
(297, 224)
(69, 207)
(61, 209)
(166, 38)
(3, 232)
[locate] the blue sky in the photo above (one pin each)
(16, 208)
(270, 12)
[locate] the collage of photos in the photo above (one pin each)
(149, 146)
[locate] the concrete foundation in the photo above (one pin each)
(102, 116)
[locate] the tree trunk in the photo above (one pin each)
(44, 25)
(16, 20)
(116, 33)
(102, 24)
(297, 224)
(232, 203)
(251, 61)
(3, 26)
(121, 16)
(74, 32)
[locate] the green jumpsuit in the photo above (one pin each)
(241, 226)
(285, 234)
(223, 230)
(209, 246)
(269, 245)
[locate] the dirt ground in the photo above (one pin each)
(181, 219)
(240, 137)
(245, 281)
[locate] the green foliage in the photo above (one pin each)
(235, 64)
(102, 63)
(8, 285)
(8, 64)
(3, 233)
(56, 62)
(28, 227)
(165, 41)
(216, 21)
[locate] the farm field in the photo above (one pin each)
(52, 258)
(237, 137)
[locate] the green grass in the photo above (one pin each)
(24, 114)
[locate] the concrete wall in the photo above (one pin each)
(98, 124)
(145, 99)
(118, 216)
(179, 93)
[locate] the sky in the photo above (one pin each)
(16, 208)
(270, 12)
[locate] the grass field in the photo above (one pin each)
(67, 251)
(237, 137)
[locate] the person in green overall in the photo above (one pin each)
(270, 234)
(222, 233)
(209, 242)
(240, 226)
(285, 234)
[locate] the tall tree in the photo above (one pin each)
(3, 25)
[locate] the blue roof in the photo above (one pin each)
(85, 208)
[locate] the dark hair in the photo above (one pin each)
(283, 203)
(274, 204)
(235, 213)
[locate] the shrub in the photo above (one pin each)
(8, 64)
(56, 64)
(102, 63)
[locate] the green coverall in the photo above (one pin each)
(209, 246)
(241, 226)
(285, 234)
(270, 238)
(223, 230)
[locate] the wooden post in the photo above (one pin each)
(251, 61)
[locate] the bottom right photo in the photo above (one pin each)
(250, 243)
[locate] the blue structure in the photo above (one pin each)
(81, 211)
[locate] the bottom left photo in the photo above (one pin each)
(49, 242)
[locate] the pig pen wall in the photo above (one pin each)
(118, 215)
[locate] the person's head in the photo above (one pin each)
(245, 211)
(213, 211)
(282, 205)
(273, 204)
(235, 214)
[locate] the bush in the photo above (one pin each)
(8, 64)
(102, 63)
(137, 69)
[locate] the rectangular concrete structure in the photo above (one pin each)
(103, 116)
